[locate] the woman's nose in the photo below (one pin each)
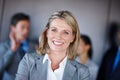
(58, 35)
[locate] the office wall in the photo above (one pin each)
(115, 11)
(1, 8)
(1, 3)
(92, 17)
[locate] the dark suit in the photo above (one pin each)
(106, 70)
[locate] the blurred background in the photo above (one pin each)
(93, 17)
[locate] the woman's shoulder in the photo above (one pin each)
(31, 57)
(79, 65)
(92, 64)
(82, 70)
(93, 67)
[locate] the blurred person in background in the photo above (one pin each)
(110, 66)
(12, 50)
(84, 55)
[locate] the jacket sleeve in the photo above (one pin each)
(5, 56)
(23, 69)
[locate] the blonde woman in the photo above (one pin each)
(55, 58)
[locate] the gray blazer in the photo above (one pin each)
(32, 68)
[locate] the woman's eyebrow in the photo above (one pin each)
(53, 26)
(63, 29)
(68, 31)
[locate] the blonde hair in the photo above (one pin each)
(71, 21)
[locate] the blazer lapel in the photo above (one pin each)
(41, 69)
(69, 71)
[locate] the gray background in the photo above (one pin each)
(92, 16)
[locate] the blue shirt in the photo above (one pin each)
(117, 59)
(25, 46)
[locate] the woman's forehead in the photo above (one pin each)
(59, 23)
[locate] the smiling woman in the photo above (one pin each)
(55, 58)
(65, 20)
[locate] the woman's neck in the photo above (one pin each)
(56, 58)
(83, 58)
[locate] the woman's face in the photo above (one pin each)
(82, 48)
(59, 35)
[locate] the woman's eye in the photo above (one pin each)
(54, 30)
(67, 33)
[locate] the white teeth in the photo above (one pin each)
(57, 43)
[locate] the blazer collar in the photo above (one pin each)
(41, 69)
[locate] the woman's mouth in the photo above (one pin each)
(58, 43)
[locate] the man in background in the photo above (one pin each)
(110, 66)
(12, 50)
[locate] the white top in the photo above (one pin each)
(58, 73)
(93, 68)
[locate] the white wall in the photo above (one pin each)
(91, 15)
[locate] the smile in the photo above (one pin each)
(57, 43)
